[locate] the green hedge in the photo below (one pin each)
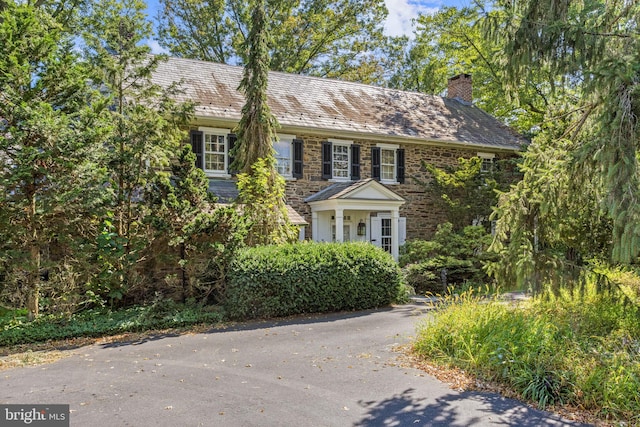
(272, 281)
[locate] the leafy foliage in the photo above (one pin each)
(466, 193)
(549, 224)
(450, 42)
(282, 280)
(211, 244)
(318, 37)
(592, 49)
(580, 349)
(450, 259)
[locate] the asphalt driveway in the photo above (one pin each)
(333, 370)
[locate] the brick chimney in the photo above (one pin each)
(461, 87)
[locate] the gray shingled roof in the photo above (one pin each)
(227, 192)
(334, 191)
(327, 105)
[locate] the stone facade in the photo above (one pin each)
(419, 209)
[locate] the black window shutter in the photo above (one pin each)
(197, 146)
(375, 163)
(231, 143)
(297, 158)
(400, 165)
(355, 162)
(327, 172)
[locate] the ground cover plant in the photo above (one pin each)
(15, 329)
(580, 348)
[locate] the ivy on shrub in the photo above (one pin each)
(271, 281)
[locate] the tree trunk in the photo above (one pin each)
(33, 276)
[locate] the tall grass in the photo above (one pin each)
(582, 349)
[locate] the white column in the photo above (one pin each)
(339, 225)
(314, 226)
(394, 233)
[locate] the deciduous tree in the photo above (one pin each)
(318, 37)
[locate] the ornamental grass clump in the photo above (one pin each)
(579, 348)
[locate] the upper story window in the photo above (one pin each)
(211, 147)
(488, 160)
(340, 160)
(387, 163)
(288, 153)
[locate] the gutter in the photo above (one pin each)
(336, 133)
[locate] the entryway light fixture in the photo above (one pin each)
(362, 228)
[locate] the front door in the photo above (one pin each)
(381, 231)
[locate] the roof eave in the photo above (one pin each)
(337, 133)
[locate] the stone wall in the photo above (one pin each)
(420, 211)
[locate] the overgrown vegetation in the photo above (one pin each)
(580, 348)
(449, 259)
(282, 280)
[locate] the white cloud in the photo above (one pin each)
(155, 47)
(401, 13)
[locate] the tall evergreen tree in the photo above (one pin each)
(142, 119)
(593, 134)
(48, 138)
(261, 187)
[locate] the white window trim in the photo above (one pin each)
(394, 148)
(486, 156)
(285, 137)
(217, 132)
(343, 143)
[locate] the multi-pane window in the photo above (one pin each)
(283, 156)
(346, 232)
(487, 165)
(214, 153)
(283, 146)
(385, 234)
(487, 162)
(340, 161)
(387, 165)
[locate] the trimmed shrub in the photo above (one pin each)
(272, 281)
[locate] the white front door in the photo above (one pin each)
(381, 231)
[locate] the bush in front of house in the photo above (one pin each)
(272, 281)
(450, 259)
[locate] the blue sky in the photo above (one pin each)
(401, 12)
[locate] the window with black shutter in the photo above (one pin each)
(400, 165)
(355, 162)
(375, 163)
(297, 158)
(327, 160)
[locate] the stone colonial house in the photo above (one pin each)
(349, 152)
